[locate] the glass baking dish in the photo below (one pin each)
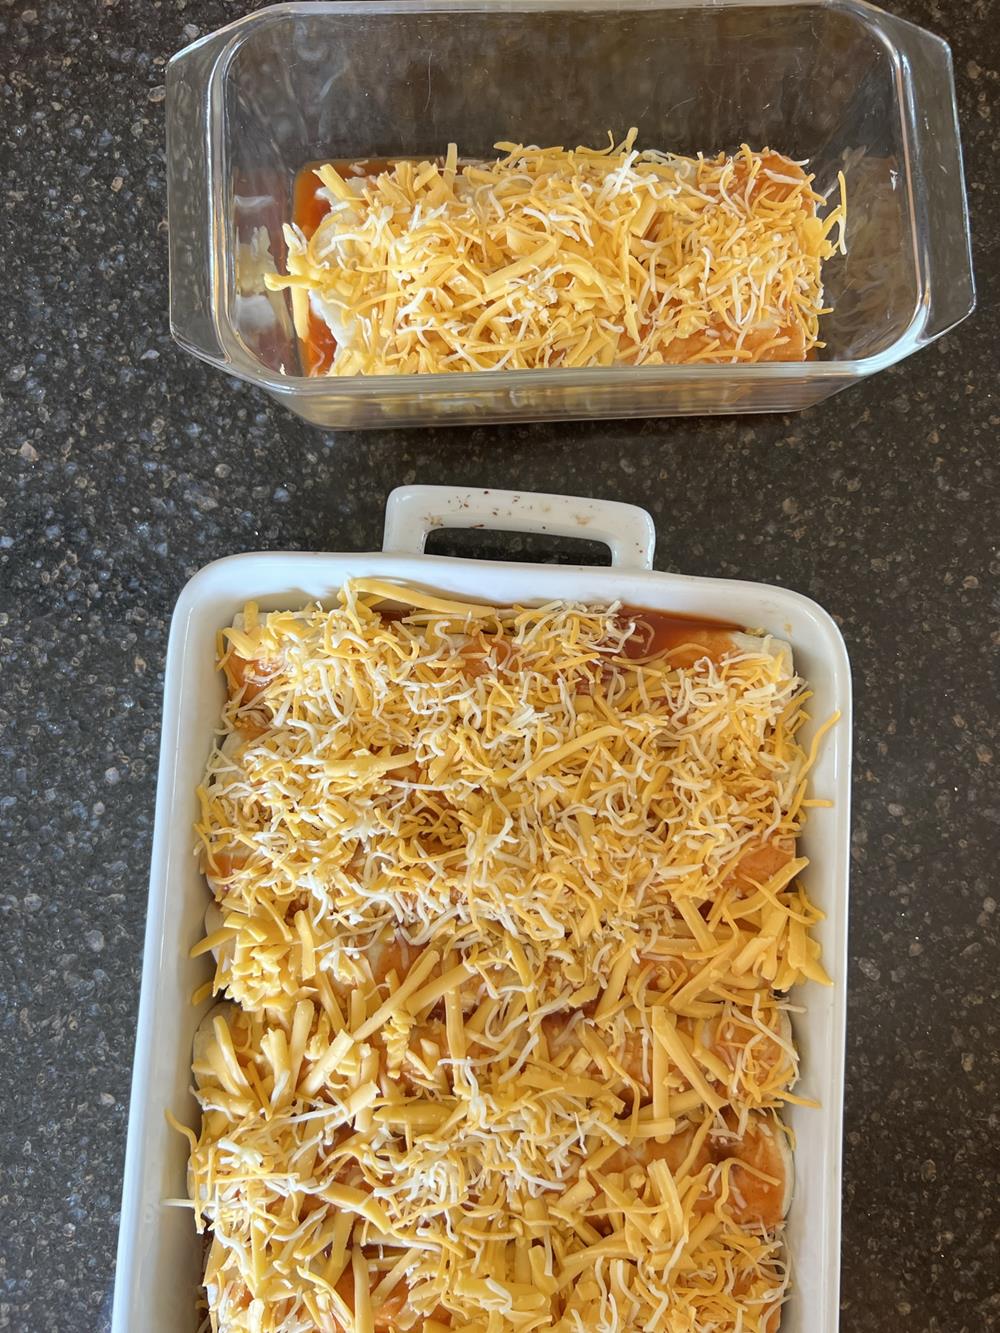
(839, 83)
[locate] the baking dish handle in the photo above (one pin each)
(411, 512)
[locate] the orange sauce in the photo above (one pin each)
(762, 1200)
(308, 209)
(247, 678)
(684, 638)
(386, 1315)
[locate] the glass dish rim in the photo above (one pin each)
(612, 378)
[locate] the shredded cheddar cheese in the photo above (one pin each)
(505, 915)
(549, 257)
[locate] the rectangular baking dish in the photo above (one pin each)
(159, 1255)
(838, 82)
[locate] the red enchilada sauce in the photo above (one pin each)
(684, 638)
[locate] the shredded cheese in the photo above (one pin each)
(508, 917)
(548, 257)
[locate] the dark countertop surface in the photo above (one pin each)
(125, 465)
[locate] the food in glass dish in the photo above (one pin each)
(551, 258)
(505, 912)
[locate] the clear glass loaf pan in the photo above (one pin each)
(837, 82)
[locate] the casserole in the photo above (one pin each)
(159, 1255)
(842, 84)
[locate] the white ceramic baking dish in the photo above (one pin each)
(159, 1254)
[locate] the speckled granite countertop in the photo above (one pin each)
(125, 465)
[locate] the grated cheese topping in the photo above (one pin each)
(505, 911)
(550, 257)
